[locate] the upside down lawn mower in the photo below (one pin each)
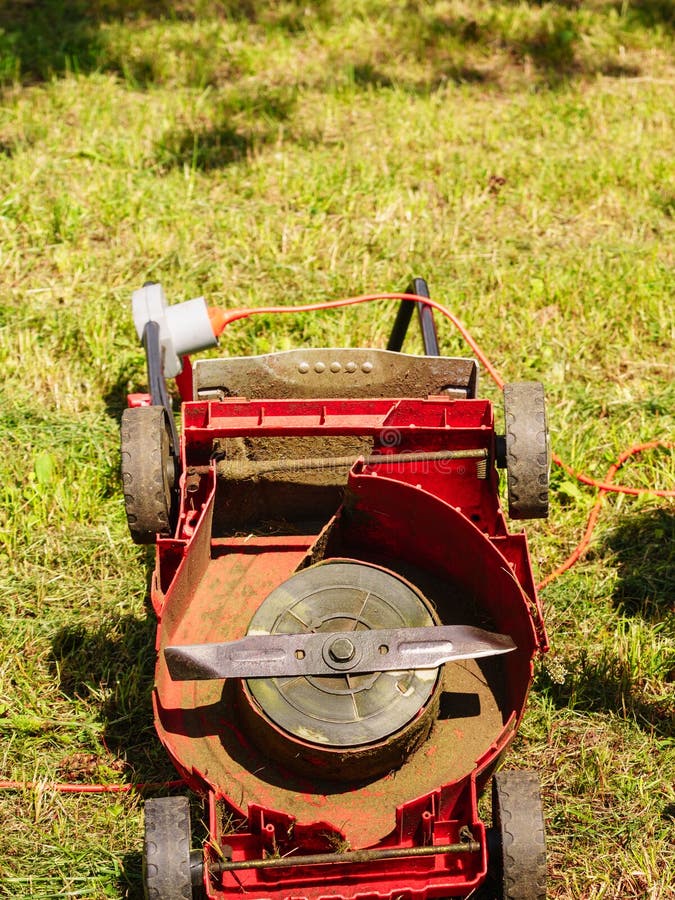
(346, 629)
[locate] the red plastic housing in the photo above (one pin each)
(442, 518)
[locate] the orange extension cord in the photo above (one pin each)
(220, 319)
(67, 787)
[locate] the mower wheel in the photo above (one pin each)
(526, 450)
(518, 862)
(148, 473)
(166, 849)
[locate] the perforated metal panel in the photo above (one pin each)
(331, 373)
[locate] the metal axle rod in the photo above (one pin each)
(249, 468)
(353, 856)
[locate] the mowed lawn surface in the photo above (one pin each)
(517, 155)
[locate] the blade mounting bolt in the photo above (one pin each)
(341, 650)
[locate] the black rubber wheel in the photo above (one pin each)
(519, 869)
(527, 452)
(148, 473)
(166, 849)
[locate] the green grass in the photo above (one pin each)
(519, 156)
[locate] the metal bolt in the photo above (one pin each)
(191, 481)
(341, 650)
(303, 368)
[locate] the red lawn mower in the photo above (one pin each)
(346, 629)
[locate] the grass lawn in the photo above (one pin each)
(517, 155)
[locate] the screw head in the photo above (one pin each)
(341, 650)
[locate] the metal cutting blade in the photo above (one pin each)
(331, 653)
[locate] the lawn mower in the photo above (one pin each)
(346, 629)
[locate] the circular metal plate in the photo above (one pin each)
(344, 710)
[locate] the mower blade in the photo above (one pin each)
(334, 653)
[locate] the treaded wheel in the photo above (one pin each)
(166, 849)
(148, 473)
(518, 818)
(527, 455)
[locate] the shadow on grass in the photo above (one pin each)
(628, 678)
(625, 678)
(130, 375)
(41, 40)
(116, 662)
(130, 883)
(366, 75)
(243, 120)
(115, 398)
(207, 149)
(643, 550)
(647, 13)
(547, 45)
(608, 684)
(112, 669)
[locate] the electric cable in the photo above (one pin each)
(221, 318)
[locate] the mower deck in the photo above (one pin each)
(200, 722)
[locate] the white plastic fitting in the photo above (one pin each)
(183, 328)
